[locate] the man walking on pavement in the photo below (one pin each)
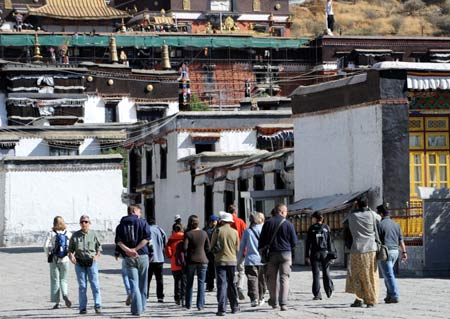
(240, 226)
(391, 236)
(84, 251)
(280, 256)
(132, 236)
(159, 241)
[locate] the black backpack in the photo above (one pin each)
(321, 238)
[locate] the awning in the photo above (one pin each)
(233, 174)
(152, 40)
(203, 179)
(205, 138)
(163, 20)
(249, 172)
(419, 82)
(326, 204)
(373, 52)
(272, 165)
(79, 9)
(223, 186)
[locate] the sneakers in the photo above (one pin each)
(283, 308)
(254, 303)
(272, 304)
(83, 312)
(236, 310)
(128, 301)
(161, 300)
(98, 310)
(241, 294)
(220, 313)
(261, 302)
(67, 301)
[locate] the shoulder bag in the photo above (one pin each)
(382, 250)
(265, 251)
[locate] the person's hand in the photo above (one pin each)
(73, 260)
(132, 253)
(404, 257)
(308, 261)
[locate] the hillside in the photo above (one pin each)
(375, 17)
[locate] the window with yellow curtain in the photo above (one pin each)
(416, 173)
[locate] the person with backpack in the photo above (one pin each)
(317, 246)
(84, 251)
(56, 249)
(159, 240)
(132, 236)
(175, 251)
(256, 281)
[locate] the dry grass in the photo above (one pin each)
(372, 17)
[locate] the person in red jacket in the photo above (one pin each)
(176, 263)
(240, 226)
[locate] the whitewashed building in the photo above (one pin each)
(200, 162)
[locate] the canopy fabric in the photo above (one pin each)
(80, 9)
(436, 81)
(324, 204)
(151, 40)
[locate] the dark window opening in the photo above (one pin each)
(242, 187)
(228, 199)
(258, 185)
(149, 208)
(193, 188)
(110, 112)
(149, 166)
(64, 150)
(272, 145)
(279, 182)
(200, 148)
(209, 207)
(135, 172)
(163, 160)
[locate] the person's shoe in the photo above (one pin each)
(370, 305)
(236, 310)
(220, 313)
(241, 294)
(386, 299)
(67, 301)
(56, 306)
(283, 308)
(329, 293)
(317, 298)
(178, 302)
(136, 314)
(200, 308)
(253, 303)
(261, 302)
(357, 304)
(128, 300)
(392, 300)
(272, 304)
(161, 300)
(98, 310)
(83, 312)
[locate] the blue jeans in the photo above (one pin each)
(90, 273)
(200, 269)
(126, 280)
(387, 269)
(138, 273)
(226, 288)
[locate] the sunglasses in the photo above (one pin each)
(84, 222)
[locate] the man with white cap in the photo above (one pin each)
(225, 246)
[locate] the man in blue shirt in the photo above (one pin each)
(391, 236)
(159, 241)
(280, 260)
(132, 236)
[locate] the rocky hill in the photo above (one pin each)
(375, 17)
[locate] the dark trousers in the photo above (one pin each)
(256, 282)
(157, 269)
(320, 259)
(226, 288)
(330, 22)
(179, 279)
(210, 273)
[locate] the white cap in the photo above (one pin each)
(226, 217)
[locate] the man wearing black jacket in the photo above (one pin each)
(317, 246)
(280, 261)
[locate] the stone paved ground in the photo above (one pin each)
(24, 293)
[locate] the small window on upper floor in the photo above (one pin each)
(110, 112)
(221, 5)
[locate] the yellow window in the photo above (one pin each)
(416, 124)
(436, 123)
(436, 141)
(416, 141)
(416, 173)
(437, 169)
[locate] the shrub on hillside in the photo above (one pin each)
(443, 23)
(412, 6)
